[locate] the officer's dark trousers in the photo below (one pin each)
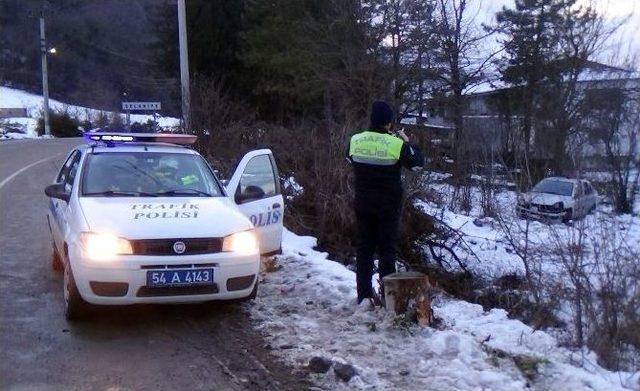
(377, 229)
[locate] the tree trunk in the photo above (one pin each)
(400, 289)
(578, 317)
(460, 160)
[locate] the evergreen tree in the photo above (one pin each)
(530, 47)
(547, 44)
(214, 37)
(280, 65)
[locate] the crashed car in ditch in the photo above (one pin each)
(558, 199)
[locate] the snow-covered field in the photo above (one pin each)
(14, 98)
(491, 254)
(308, 309)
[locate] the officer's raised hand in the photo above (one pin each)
(403, 135)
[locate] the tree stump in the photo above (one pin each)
(400, 289)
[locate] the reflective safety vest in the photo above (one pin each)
(379, 149)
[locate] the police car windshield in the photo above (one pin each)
(148, 174)
(551, 186)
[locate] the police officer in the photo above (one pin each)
(377, 156)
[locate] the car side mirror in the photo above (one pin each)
(250, 193)
(57, 190)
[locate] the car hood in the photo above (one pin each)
(165, 217)
(547, 198)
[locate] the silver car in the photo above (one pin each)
(558, 199)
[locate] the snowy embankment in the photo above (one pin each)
(14, 98)
(307, 308)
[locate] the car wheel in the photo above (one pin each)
(75, 308)
(568, 215)
(254, 292)
(56, 261)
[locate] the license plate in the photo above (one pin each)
(179, 277)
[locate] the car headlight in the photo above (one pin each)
(243, 243)
(103, 246)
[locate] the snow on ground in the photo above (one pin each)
(494, 254)
(14, 98)
(491, 255)
(308, 309)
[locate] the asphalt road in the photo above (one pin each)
(194, 347)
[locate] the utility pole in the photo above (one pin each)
(45, 77)
(184, 64)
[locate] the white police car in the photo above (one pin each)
(137, 218)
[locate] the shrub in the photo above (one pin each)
(314, 156)
(312, 152)
(62, 125)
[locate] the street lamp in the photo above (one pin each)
(53, 51)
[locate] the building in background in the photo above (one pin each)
(493, 118)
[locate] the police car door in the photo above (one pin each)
(255, 187)
(59, 208)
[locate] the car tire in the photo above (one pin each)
(568, 215)
(254, 292)
(56, 261)
(75, 308)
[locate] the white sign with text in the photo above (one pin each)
(141, 106)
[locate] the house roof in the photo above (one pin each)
(592, 72)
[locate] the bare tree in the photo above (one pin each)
(581, 33)
(611, 121)
(518, 235)
(344, 48)
(596, 272)
(462, 64)
(406, 49)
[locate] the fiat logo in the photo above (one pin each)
(179, 247)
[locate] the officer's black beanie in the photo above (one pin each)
(381, 115)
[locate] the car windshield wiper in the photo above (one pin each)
(179, 192)
(119, 193)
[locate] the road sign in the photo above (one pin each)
(141, 106)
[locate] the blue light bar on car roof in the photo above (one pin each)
(111, 137)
